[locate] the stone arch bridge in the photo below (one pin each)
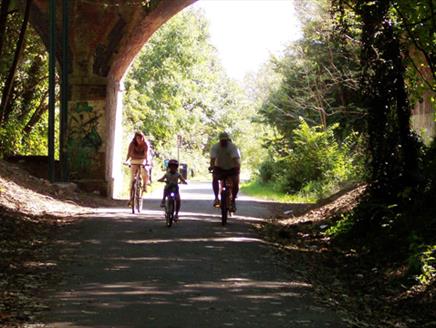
(104, 38)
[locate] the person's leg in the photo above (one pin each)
(144, 175)
(133, 169)
(162, 203)
(178, 204)
(235, 190)
(235, 186)
(216, 188)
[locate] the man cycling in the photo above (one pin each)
(225, 160)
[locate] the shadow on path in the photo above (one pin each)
(124, 270)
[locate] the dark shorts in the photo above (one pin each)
(220, 174)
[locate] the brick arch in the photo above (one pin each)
(105, 37)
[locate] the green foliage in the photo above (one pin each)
(397, 47)
(342, 227)
(428, 265)
(177, 86)
(314, 163)
(13, 141)
(417, 22)
(422, 260)
(24, 128)
(267, 171)
(319, 77)
(394, 50)
(10, 138)
(313, 108)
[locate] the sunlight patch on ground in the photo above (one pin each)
(249, 283)
(204, 299)
(157, 293)
(196, 240)
(149, 214)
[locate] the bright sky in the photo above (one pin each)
(246, 32)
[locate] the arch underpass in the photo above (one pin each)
(104, 38)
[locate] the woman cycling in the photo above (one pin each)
(138, 156)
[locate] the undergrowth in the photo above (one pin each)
(395, 238)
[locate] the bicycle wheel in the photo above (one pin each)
(224, 207)
(132, 197)
(138, 196)
(169, 213)
(138, 203)
(230, 207)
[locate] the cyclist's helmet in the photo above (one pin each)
(173, 162)
(223, 136)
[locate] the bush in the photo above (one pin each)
(422, 260)
(266, 171)
(316, 162)
(13, 142)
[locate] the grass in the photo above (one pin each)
(269, 192)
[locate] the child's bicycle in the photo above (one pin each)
(136, 190)
(170, 205)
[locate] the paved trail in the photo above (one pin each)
(124, 270)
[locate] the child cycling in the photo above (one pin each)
(172, 178)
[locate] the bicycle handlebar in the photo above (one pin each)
(164, 181)
(130, 164)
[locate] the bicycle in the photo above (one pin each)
(136, 190)
(226, 197)
(226, 194)
(170, 205)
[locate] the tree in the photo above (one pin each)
(319, 79)
(393, 149)
(4, 9)
(418, 23)
(23, 81)
(7, 90)
(177, 86)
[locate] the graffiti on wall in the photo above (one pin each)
(84, 139)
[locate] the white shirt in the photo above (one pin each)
(227, 157)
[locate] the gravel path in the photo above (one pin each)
(124, 270)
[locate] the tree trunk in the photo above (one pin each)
(408, 146)
(35, 75)
(36, 116)
(13, 70)
(374, 90)
(393, 152)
